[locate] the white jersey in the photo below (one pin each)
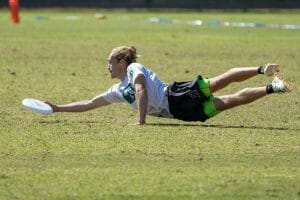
(156, 89)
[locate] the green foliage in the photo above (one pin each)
(246, 153)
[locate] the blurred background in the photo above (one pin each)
(186, 4)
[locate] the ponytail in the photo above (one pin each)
(129, 54)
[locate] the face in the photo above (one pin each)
(115, 67)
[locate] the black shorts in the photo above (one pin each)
(186, 100)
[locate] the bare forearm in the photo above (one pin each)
(80, 106)
(141, 96)
(142, 101)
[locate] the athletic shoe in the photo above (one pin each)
(270, 69)
(280, 85)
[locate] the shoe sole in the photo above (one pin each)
(273, 71)
(287, 86)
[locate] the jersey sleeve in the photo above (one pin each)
(112, 95)
(134, 70)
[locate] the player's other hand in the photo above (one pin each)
(139, 124)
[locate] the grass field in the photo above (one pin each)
(250, 152)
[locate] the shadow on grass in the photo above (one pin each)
(179, 124)
(69, 122)
(49, 122)
(223, 126)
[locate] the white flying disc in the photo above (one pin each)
(37, 106)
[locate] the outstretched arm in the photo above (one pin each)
(80, 106)
(141, 97)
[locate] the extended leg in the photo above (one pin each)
(232, 75)
(242, 97)
(248, 95)
(240, 74)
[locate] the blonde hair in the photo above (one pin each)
(128, 54)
